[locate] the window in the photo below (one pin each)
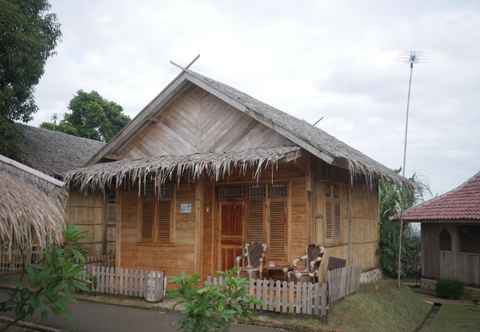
(255, 214)
(468, 238)
(333, 212)
(278, 222)
(156, 213)
(164, 208)
(445, 240)
(230, 192)
(148, 213)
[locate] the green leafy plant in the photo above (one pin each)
(49, 286)
(393, 199)
(449, 289)
(213, 307)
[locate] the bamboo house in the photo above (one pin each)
(204, 169)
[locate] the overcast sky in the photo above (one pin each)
(337, 59)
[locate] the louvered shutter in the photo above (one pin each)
(164, 211)
(329, 219)
(278, 230)
(333, 213)
(255, 231)
(148, 213)
(337, 220)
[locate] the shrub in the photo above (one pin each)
(449, 289)
(212, 307)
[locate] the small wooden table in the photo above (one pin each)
(278, 272)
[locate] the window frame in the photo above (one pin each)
(333, 197)
(154, 240)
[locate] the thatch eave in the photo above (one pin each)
(31, 206)
(168, 168)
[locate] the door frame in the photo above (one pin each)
(218, 264)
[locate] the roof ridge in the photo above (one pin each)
(338, 144)
(61, 133)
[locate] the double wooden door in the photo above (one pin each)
(231, 234)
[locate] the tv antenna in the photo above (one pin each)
(412, 59)
(316, 122)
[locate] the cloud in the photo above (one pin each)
(336, 59)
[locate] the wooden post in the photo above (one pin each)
(349, 198)
(199, 206)
(118, 230)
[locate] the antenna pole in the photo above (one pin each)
(402, 203)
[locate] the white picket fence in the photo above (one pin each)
(128, 282)
(286, 297)
(14, 259)
(342, 282)
(302, 297)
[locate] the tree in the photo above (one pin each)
(91, 116)
(29, 33)
(49, 286)
(394, 198)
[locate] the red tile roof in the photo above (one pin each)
(461, 203)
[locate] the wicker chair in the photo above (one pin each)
(312, 262)
(252, 259)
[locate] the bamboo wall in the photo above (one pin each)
(358, 237)
(194, 244)
(174, 257)
(97, 218)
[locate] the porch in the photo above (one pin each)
(451, 251)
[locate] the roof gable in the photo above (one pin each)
(198, 122)
(312, 139)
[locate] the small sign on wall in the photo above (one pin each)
(185, 208)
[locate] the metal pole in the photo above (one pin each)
(400, 236)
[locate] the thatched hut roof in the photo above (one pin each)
(31, 206)
(172, 168)
(310, 138)
(52, 152)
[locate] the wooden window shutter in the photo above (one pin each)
(278, 230)
(255, 231)
(329, 220)
(164, 212)
(333, 213)
(148, 213)
(337, 220)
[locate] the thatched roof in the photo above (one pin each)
(172, 168)
(31, 205)
(312, 139)
(52, 152)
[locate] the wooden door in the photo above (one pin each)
(231, 234)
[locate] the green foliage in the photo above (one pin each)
(29, 33)
(91, 116)
(449, 289)
(50, 286)
(394, 198)
(212, 307)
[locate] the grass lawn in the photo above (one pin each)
(378, 307)
(455, 318)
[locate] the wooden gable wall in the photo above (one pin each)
(197, 121)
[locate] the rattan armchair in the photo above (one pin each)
(252, 259)
(311, 265)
